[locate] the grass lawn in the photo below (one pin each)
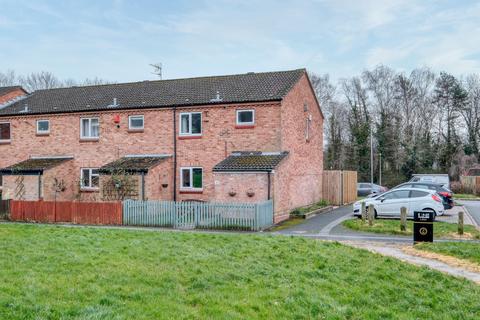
(462, 250)
(466, 196)
(53, 272)
(388, 226)
(313, 207)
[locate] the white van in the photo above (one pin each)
(442, 179)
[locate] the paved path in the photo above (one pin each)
(473, 209)
(396, 252)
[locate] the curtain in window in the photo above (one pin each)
(184, 127)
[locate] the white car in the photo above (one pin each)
(388, 204)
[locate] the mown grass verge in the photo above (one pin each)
(463, 250)
(390, 226)
(53, 272)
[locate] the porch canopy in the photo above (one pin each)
(34, 165)
(133, 164)
(250, 161)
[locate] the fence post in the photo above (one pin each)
(460, 223)
(364, 212)
(403, 219)
(371, 215)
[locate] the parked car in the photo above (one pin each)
(445, 193)
(389, 203)
(366, 188)
(442, 179)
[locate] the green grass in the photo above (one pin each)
(466, 196)
(53, 272)
(463, 250)
(287, 224)
(313, 207)
(389, 226)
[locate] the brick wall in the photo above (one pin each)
(11, 185)
(298, 179)
(220, 137)
(240, 184)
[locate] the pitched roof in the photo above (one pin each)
(250, 161)
(133, 164)
(249, 87)
(5, 90)
(34, 165)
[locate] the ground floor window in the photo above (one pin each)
(89, 178)
(191, 178)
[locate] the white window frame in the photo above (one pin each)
(189, 133)
(90, 175)
(245, 123)
(40, 131)
(89, 137)
(136, 117)
(10, 125)
(191, 188)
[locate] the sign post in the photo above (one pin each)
(423, 226)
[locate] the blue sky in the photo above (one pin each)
(117, 40)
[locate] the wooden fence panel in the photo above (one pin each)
(102, 213)
(339, 187)
(470, 184)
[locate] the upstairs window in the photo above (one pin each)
(191, 124)
(89, 178)
(89, 128)
(43, 127)
(191, 178)
(5, 132)
(135, 123)
(245, 117)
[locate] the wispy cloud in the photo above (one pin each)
(117, 39)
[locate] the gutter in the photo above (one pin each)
(174, 153)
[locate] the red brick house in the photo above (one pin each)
(237, 138)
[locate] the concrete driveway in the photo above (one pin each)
(328, 225)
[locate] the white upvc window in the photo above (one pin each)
(136, 122)
(5, 132)
(89, 178)
(245, 117)
(191, 124)
(191, 178)
(89, 128)
(43, 126)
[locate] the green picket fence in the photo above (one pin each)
(199, 215)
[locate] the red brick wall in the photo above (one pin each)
(11, 95)
(298, 179)
(220, 137)
(240, 184)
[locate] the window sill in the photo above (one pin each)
(244, 126)
(42, 134)
(189, 137)
(135, 131)
(190, 191)
(5, 141)
(89, 139)
(89, 190)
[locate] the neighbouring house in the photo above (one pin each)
(235, 138)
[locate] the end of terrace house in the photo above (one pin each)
(234, 138)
